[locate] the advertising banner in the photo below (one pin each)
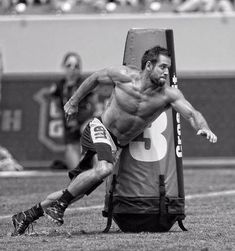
(31, 125)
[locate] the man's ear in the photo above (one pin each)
(148, 66)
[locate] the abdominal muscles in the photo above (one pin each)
(130, 112)
(124, 125)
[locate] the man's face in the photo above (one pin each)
(72, 67)
(160, 71)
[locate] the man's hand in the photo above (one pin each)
(69, 110)
(208, 134)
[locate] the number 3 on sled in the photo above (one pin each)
(151, 146)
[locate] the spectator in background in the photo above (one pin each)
(63, 6)
(205, 6)
(7, 162)
(61, 92)
(5, 5)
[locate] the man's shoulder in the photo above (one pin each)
(123, 74)
(132, 67)
(172, 92)
(132, 71)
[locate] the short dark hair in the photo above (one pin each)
(152, 55)
(72, 54)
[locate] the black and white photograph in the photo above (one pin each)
(117, 127)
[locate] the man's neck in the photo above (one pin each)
(145, 82)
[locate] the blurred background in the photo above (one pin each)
(36, 34)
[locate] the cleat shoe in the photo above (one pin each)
(56, 212)
(21, 222)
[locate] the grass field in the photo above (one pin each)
(210, 210)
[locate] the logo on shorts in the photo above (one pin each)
(100, 132)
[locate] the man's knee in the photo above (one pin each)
(103, 169)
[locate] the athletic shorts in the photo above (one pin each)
(95, 139)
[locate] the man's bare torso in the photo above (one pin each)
(131, 109)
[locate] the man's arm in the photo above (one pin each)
(195, 118)
(105, 76)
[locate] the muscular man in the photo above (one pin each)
(138, 98)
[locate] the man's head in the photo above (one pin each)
(156, 62)
(72, 64)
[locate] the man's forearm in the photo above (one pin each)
(198, 122)
(84, 89)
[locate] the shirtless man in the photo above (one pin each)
(138, 98)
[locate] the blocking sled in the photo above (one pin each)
(146, 190)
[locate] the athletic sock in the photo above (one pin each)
(35, 212)
(39, 210)
(66, 197)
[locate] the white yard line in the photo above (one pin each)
(211, 194)
(188, 197)
(10, 174)
(221, 162)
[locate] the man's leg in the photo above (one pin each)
(55, 196)
(72, 154)
(78, 187)
(22, 220)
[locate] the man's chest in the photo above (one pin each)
(140, 103)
